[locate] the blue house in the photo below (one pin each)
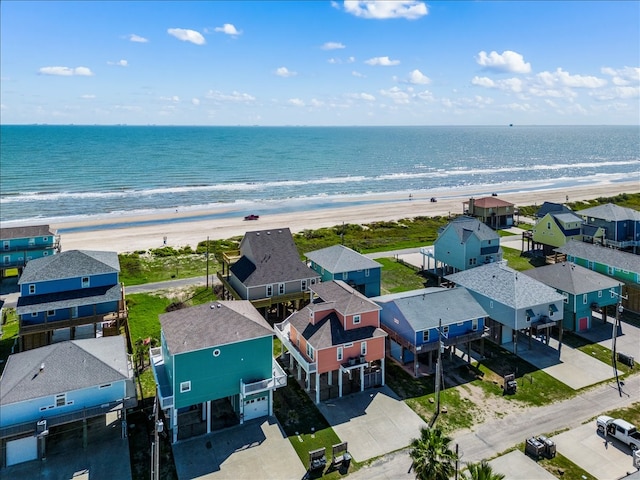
(69, 290)
(463, 243)
(21, 244)
(215, 367)
(584, 290)
(612, 226)
(67, 382)
(342, 263)
(515, 303)
(416, 322)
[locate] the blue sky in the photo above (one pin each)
(320, 62)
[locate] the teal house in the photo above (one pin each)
(21, 244)
(584, 290)
(614, 263)
(342, 263)
(215, 367)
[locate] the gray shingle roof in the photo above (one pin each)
(611, 212)
(212, 324)
(68, 366)
(329, 331)
(571, 278)
(12, 233)
(599, 254)
(270, 256)
(70, 264)
(339, 259)
(505, 285)
(342, 297)
(550, 207)
(567, 217)
(68, 299)
(465, 226)
(424, 309)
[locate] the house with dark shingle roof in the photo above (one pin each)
(58, 384)
(513, 301)
(342, 263)
(617, 264)
(465, 242)
(335, 339)
(584, 290)
(491, 211)
(67, 291)
(551, 207)
(418, 322)
(555, 229)
(267, 270)
(215, 367)
(612, 226)
(21, 244)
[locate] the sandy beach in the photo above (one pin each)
(119, 234)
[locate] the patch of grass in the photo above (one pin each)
(561, 467)
(10, 326)
(631, 413)
(139, 268)
(594, 350)
(519, 262)
(397, 277)
(143, 315)
(146, 384)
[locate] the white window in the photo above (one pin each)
(61, 400)
(363, 348)
(491, 304)
(610, 270)
(106, 385)
(612, 293)
(566, 297)
(45, 239)
(216, 352)
(310, 352)
(7, 259)
(85, 282)
(45, 253)
(6, 245)
(345, 275)
(445, 330)
(472, 261)
(313, 281)
(34, 314)
(51, 313)
(185, 386)
(474, 325)
(585, 298)
(32, 289)
(339, 354)
(269, 290)
(356, 319)
(366, 272)
(348, 345)
(281, 289)
(303, 285)
(32, 241)
(425, 336)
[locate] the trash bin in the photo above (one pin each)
(626, 359)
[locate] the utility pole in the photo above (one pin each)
(439, 367)
(207, 263)
(155, 445)
(614, 336)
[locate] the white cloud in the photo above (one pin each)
(228, 29)
(137, 38)
(195, 101)
(357, 74)
(562, 78)
(316, 103)
(483, 82)
(383, 9)
(622, 76)
(418, 78)
(296, 102)
(87, 96)
(382, 61)
(67, 71)
(187, 35)
(173, 99)
(508, 61)
(285, 72)
(362, 96)
(332, 46)
(234, 97)
(119, 63)
(397, 95)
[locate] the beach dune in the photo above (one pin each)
(182, 229)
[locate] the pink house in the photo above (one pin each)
(336, 341)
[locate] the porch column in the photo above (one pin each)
(203, 411)
(340, 383)
(317, 387)
(271, 403)
(174, 421)
(84, 433)
(330, 377)
(382, 367)
(299, 372)
(362, 378)
(208, 416)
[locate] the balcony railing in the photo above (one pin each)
(165, 393)
(29, 328)
(282, 331)
(278, 379)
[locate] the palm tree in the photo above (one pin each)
(432, 457)
(482, 471)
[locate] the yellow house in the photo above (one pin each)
(555, 229)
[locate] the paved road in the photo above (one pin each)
(495, 436)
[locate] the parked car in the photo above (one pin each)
(620, 429)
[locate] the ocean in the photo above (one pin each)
(54, 174)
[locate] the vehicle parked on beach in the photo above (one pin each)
(620, 429)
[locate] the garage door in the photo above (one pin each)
(22, 450)
(256, 407)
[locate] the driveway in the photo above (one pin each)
(627, 340)
(257, 449)
(373, 422)
(603, 459)
(516, 465)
